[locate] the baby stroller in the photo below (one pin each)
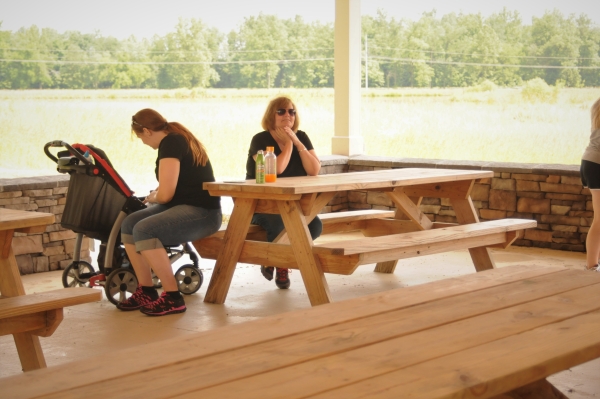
(97, 202)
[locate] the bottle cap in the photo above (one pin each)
(272, 149)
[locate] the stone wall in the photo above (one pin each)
(550, 194)
(52, 249)
(553, 195)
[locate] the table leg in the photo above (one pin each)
(310, 267)
(30, 351)
(314, 209)
(233, 241)
(465, 214)
(407, 208)
(28, 346)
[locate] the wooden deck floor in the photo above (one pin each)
(99, 328)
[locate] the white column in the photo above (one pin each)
(347, 139)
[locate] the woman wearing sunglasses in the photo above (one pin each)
(295, 157)
(181, 211)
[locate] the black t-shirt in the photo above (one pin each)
(262, 140)
(189, 189)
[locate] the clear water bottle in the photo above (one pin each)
(270, 165)
(260, 167)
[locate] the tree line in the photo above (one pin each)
(453, 50)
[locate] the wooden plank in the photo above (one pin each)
(333, 263)
(343, 257)
(351, 216)
(382, 227)
(393, 354)
(408, 207)
(48, 300)
(379, 179)
(511, 236)
(423, 238)
(233, 241)
(41, 324)
(26, 323)
(254, 195)
(32, 229)
(460, 190)
(69, 376)
(508, 363)
(281, 356)
(28, 345)
(301, 243)
(266, 206)
(30, 351)
(328, 219)
(12, 219)
(6, 237)
(466, 213)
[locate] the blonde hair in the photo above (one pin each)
(596, 115)
(152, 120)
(268, 120)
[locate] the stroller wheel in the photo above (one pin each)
(120, 285)
(189, 279)
(156, 281)
(77, 274)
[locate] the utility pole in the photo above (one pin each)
(366, 62)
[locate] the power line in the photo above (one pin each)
(163, 51)
(288, 51)
(387, 59)
(479, 55)
(412, 60)
(164, 62)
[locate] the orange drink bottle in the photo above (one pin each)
(270, 166)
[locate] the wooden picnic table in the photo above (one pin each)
(299, 199)
(27, 317)
(480, 335)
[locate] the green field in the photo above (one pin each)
(457, 124)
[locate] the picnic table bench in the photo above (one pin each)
(388, 236)
(28, 317)
(495, 334)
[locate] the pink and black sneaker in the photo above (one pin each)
(137, 300)
(166, 304)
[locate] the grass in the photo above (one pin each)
(457, 124)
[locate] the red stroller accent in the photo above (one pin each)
(97, 202)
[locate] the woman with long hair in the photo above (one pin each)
(178, 211)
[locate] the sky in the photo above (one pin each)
(123, 18)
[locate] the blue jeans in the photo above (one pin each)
(158, 225)
(273, 224)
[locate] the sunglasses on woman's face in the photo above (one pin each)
(282, 111)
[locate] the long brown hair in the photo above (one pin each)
(268, 120)
(152, 120)
(596, 115)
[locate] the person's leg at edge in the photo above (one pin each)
(273, 224)
(178, 224)
(145, 293)
(140, 266)
(592, 241)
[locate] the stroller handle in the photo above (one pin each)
(60, 143)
